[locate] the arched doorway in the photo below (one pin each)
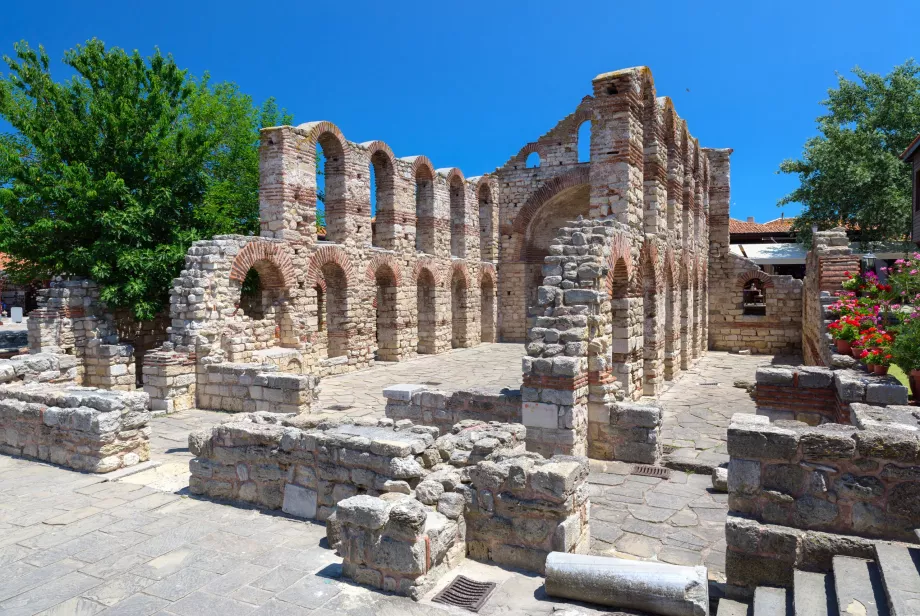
(336, 305)
(487, 309)
(425, 312)
(459, 310)
(387, 346)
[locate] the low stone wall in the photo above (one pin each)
(39, 368)
(83, 428)
(443, 409)
(817, 395)
(109, 366)
(305, 465)
(170, 381)
(841, 481)
(832, 477)
(521, 508)
(249, 388)
(625, 431)
(399, 546)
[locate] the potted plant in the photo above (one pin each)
(882, 362)
(844, 331)
(905, 351)
(866, 357)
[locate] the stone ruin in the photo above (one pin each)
(402, 505)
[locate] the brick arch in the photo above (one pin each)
(584, 113)
(546, 192)
(669, 264)
(529, 149)
(459, 267)
(620, 248)
(746, 277)
(487, 271)
(315, 130)
(280, 276)
(378, 261)
(379, 146)
(329, 254)
(320, 282)
(649, 254)
(419, 162)
(427, 263)
(450, 173)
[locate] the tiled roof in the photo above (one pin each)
(779, 225)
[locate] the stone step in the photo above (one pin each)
(814, 594)
(772, 602)
(859, 588)
(727, 607)
(900, 567)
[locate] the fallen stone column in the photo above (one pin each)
(669, 590)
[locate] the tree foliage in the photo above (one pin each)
(115, 172)
(850, 174)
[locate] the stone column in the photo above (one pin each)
(287, 186)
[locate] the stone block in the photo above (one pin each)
(540, 415)
(402, 392)
(783, 377)
(300, 502)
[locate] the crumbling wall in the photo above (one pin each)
(800, 494)
(86, 429)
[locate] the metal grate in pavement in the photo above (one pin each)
(666, 449)
(466, 593)
(431, 382)
(647, 470)
(338, 407)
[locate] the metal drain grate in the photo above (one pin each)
(666, 449)
(647, 470)
(710, 384)
(431, 382)
(466, 593)
(338, 407)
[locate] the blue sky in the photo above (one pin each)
(468, 84)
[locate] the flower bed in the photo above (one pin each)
(876, 322)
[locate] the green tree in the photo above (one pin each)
(115, 172)
(850, 173)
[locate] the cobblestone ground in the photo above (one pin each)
(73, 543)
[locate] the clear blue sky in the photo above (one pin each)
(469, 83)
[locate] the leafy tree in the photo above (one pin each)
(114, 173)
(850, 174)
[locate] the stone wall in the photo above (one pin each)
(443, 409)
(249, 388)
(39, 368)
(306, 465)
(827, 264)
(521, 508)
(816, 395)
(818, 488)
(71, 320)
(82, 428)
(625, 431)
(398, 545)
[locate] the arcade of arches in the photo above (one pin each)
(419, 260)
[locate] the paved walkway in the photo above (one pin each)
(73, 543)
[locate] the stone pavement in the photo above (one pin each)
(73, 543)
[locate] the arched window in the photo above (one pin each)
(251, 296)
(754, 298)
(486, 242)
(383, 196)
(457, 218)
(330, 186)
(426, 312)
(424, 211)
(584, 142)
(533, 161)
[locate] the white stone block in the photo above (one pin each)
(402, 392)
(299, 502)
(539, 415)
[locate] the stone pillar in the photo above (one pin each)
(287, 185)
(170, 380)
(719, 198)
(617, 157)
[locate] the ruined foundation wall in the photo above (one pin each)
(85, 429)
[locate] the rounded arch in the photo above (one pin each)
(746, 277)
(451, 174)
(325, 255)
(373, 147)
(420, 164)
(546, 192)
(531, 148)
(487, 272)
(431, 266)
(460, 269)
(378, 261)
(256, 255)
(620, 250)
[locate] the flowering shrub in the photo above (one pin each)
(845, 328)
